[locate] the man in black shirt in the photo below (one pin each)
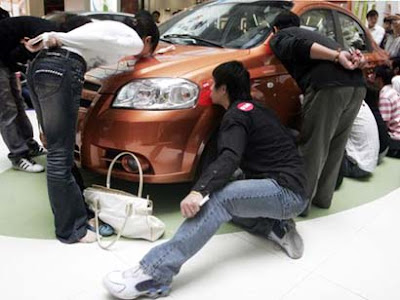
(333, 88)
(252, 138)
(15, 126)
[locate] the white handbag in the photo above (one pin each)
(129, 215)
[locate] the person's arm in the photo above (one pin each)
(19, 57)
(346, 59)
(231, 144)
(103, 36)
(286, 47)
(385, 108)
(107, 36)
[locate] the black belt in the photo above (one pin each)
(60, 52)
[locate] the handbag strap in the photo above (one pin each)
(128, 212)
(140, 190)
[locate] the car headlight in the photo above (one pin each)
(157, 94)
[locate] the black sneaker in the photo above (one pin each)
(287, 237)
(28, 165)
(39, 151)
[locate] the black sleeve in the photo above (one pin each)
(19, 55)
(232, 142)
(288, 47)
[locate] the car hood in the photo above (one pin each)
(183, 61)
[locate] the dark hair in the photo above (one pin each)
(144, 25)
(372, 13)
(156, 12)
(396, 63)
(72, 22)
(384, 72)
(286, 19)
(235, 77)
(387, 20)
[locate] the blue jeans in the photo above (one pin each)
(15, 127)
(55, 80)
(258, 198)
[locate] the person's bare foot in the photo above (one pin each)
(90, 237)
(92, 222)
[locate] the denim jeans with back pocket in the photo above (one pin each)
(55, 80)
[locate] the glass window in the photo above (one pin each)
(319, 20)
(100, 16)
(353, 34)
(239, 25)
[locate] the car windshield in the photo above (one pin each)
(228, 24)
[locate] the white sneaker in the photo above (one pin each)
(133, 283)
(291, 241)
(28, 165)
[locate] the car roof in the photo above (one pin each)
(86, 13)
(89, 13)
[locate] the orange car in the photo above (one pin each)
(161, 109)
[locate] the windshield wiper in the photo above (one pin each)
(193, 37)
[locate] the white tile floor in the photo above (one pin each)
(348, 256)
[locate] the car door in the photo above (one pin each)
(272, 79)
(352, 35)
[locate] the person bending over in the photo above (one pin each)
(56, 79)
(333, 87)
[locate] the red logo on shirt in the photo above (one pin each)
(245, 106)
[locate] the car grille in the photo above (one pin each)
(91, 86)
(109, 156)
(90, 89)
(85, 103)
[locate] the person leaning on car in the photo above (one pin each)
(334, 88)
(252, 138)
(55, 79)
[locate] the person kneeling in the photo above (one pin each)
(252, 138)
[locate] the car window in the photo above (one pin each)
(239, 25)
(319, 20)
(118, 18)
(100, 16)
(352, 32)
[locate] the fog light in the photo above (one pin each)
(129, 164)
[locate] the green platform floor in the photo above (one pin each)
(25, 210)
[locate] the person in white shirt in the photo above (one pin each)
(362, 148)
(378, 33)
(56, 79)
